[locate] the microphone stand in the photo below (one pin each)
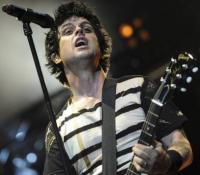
(65, 159)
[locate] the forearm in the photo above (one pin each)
(178, 142)
(184, 149)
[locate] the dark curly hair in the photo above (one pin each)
(63, 12)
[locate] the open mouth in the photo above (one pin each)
(81, 42)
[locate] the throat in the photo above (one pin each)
(88, 86)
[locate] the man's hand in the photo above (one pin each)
(151, 159)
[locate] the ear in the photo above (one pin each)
(57, 59)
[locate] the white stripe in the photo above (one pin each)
(127, 141)
(94, 135)
(84, 119)
(129, 118)
(86, 135)
(67, 112)
(131, 83)
(127, 100)
(123, 159)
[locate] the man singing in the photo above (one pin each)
(78, 51)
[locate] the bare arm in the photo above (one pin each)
(178, 141)
(156, 160)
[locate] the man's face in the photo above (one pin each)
(78, 41)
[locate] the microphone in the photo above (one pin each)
(28, 15)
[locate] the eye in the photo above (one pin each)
(67, 31)
(88, 29)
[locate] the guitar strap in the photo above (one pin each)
(108, 127)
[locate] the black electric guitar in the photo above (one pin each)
(178, 75)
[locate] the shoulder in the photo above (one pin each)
(146, 82)
(130, 81)
(50, 136)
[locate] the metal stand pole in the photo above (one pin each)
(28, 33)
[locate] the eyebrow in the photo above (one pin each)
(71, 24)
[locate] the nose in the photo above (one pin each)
(79, 30)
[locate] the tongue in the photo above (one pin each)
(80, 44)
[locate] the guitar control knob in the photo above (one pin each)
(185, 66)
(173, 86)
(189, 80)
(195, 69)
(173, 60)
(179, 76)
(183, 89)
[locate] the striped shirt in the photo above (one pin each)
(81, 130)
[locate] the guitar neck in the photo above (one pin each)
(149, 126)
(174, 78)
(148, 130)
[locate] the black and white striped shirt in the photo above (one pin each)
(81, 130)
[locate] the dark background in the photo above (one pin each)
(173, 26)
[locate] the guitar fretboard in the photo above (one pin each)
(148, 131)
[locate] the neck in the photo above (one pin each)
(86, 84)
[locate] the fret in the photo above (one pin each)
(152, 113)
(148, 130)
(152, 118)
(143, 142)
(151, 124)
(145, 137)
(148, 127)
(150, 135)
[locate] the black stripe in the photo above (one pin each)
(124, 151)
(129, 130)
(129, 91)
(127, 109)
(96, 164)
(124, 163)
(86, 152)
(98, 145)
(99, 162)
(61, 111)
(122, 172)
(79, 113)
(84, 128)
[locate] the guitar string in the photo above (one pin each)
(131, 166)
(146, 124)
(148, 117)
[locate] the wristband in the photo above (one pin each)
(176, 161)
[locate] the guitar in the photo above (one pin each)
(178, 75)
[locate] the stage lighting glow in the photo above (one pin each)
(19, 162)
(4, 154)
(31, 157)
(126, 30)
(133, 42)
(26, 171)
(137, 22)
(20, 136)
(144, 35)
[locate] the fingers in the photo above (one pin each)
(157, 144)
(139, 164)
(139, 168)
(142, 151)
(146, 156)
(141, 157)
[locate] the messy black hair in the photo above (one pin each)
(63, 12)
